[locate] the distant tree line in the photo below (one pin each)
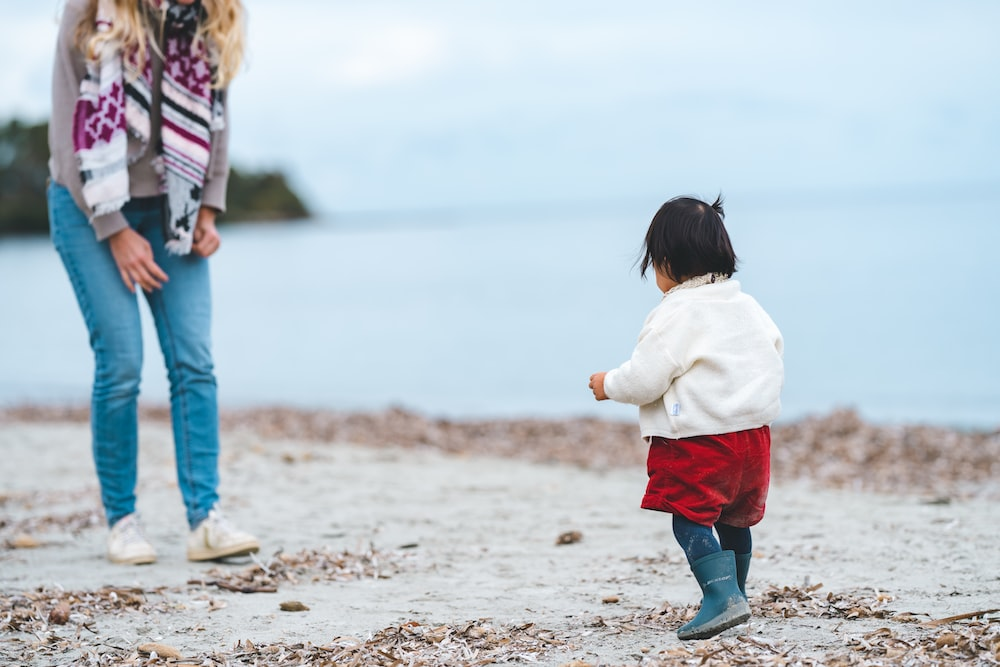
(24, 155)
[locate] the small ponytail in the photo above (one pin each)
(717, 205)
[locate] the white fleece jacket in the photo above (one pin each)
(708, 361)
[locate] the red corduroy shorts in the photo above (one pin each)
(711, 478)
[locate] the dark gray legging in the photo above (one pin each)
(697, 540)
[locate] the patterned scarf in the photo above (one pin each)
(111, 106)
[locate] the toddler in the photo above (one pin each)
(706, 374)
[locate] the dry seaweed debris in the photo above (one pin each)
(28, 621)
(585, 441)
(31, 611)
(480, 642)
(901, 641)
(841, 450)
(307, 565)
(977, 647)
(55, 622)
(788, 601)
(838, 450)
(15, 532)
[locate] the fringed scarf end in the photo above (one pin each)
(179, 246)
(106, 207)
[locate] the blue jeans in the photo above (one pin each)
(182, 310)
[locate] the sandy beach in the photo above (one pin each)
(398, 539)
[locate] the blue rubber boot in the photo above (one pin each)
(723, 605)
(742, 568)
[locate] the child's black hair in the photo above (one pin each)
(686, 239)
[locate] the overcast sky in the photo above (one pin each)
(385, 105)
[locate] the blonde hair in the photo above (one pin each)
(223, 31)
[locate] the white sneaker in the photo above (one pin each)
(127, 543)
(216, 538)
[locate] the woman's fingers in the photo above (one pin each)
(207, 245)
(155, 271)
(206, 235)
(144, 271)
(148, 275)
(129, 283)
(134, 257)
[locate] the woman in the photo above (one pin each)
(138, 169)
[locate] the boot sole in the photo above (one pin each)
(724, 621)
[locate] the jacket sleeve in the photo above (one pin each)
(773, 331)
(647, 375)
(217, 176)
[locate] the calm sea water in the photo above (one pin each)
(889, 305)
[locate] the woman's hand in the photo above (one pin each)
(597, 386)
(206, 236)
(134, 257)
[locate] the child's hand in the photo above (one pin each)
(597, 386)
